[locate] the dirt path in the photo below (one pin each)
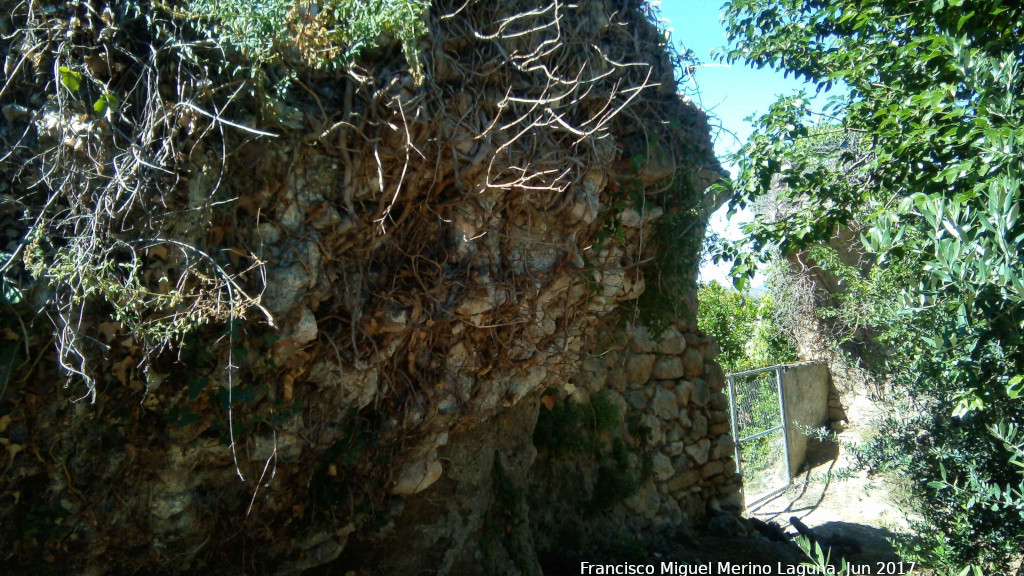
(860, 508)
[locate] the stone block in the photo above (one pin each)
(718, 416)
(701, 394)
(662, 466)
(719, 401)
(684, 480)
(715, 376)
(671, 512)
(733, 502)
(730, 468)
(664, 404)
(684, 390)
(699, 451)
(699, 428)
(640, 341)
(638, 367)
(719, 429)
(712, 350)
(671, 342)
(668, 368)
(636, 399)
(693, 364)
(723, 448)
(418, 477)
(712, 468)
(654, 425)
(689, 299)
(684, 420)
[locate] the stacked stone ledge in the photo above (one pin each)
(672, 385)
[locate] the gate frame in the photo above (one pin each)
(784, 426)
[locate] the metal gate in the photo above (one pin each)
(758, 409)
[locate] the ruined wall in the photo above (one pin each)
(672, 386)
(429, 268)
(806, 390)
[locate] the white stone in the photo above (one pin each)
(305, 329)
(663, 469)
(699, 451)
(418, 476)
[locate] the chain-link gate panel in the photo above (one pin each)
(758, 417)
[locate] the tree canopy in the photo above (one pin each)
(928, 107)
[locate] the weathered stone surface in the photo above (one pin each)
(718, 416)
(666, 384)
(693, 364)
(640, 341)
(305, 328)
(671, 512)
(454, 313)
(685, 423)
(638, 367)
(664, 404)
(636, 399)
(723, 447)
(712, 468)
(719, 429)
(663, 469)
(684, 390)
(670, 342)
(712, 350)
(719, 401)
(699, 427)
(684, 480)
(699, 451)
(730, 467)
(357, 385)
(701, 395)
(689, 299)
(733, 501)
(714, 375)
(418, 477)
(726, 526)
(645, 504)
(667, 368)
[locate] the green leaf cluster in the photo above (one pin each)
(327, 34)
(746, 327)
(922, 147)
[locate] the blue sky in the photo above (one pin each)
(728, 93)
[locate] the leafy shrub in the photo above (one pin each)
(939, 194)
(327, 34)
(746, 328)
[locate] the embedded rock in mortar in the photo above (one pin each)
(418, 258)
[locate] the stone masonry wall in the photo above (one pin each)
(673, 384)
(671, 387)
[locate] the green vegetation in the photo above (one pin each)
(595, 429)
(108, 228)
(747, 328)
(928, 137)
(325, 34)
(749, 332)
